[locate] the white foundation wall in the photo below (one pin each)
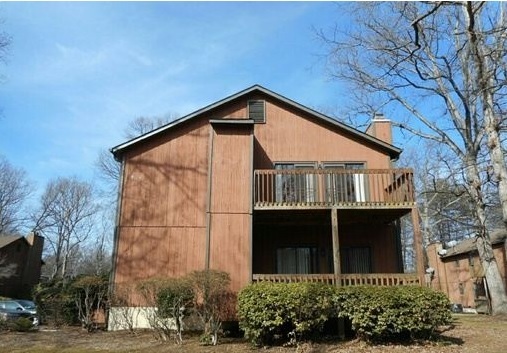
(127, 318)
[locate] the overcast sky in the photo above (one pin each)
(77, 73)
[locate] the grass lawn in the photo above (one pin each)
(470, 333)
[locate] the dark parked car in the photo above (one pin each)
(11, 310)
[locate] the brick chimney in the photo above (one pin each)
(380, 127)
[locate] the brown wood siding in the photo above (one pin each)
(231, 203)
(163, 215)
(151, 252)
(286, 137)
(455, 271)
(166, 182)
(145, 252)
(230, 247)
(381, 240)
(235, 110)
(231, 170)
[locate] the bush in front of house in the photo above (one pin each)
(201, 295)
(90, 297)
(393, 313)
(211, 296)
(173, 302)
(284, 311)
(55, 303)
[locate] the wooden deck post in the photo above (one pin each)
(418, 245)
(337, 263)
(336, 246)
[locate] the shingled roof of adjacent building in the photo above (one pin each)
(7, 239)
(468, 245)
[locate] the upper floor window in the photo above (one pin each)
(295, 187)
(345, 187)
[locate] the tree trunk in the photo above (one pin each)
(492, 126)
(494, 280)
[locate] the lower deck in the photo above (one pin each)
(358, 247)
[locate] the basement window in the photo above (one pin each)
(256, 111)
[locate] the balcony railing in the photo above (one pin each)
(353, 279)
(333, 188)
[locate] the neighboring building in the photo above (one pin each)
(24, 255)
(264, 188)
(458, 271)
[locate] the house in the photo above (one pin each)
(21, 256)
(458, 271)
(266, 189)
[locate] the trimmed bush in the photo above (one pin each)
(393, 313)
(55, 303)
(173, 302)
(23, 324)
(268, 311)
(90, 297)
(211, 293)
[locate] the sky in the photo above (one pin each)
(77, 72)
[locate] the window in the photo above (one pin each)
(293, 188)
(297, 260)
(479, 288)
(356, 260)
(461, 288)
(345, 187)
(256, 111)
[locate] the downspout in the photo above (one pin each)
(208, 201)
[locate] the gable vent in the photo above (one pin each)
(256, 111)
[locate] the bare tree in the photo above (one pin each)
(94, 259)
(143, 125)
(65, 218)
(108, 168)
(14, 190)
(5, 41)
(442, 64)
(444, 204)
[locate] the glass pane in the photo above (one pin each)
(294, 188)
(297, 260)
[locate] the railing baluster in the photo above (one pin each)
(354, 279)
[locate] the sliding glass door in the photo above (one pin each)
(345, 187)
(294, 188)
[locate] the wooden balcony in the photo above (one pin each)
(339, 188)
(355, 279)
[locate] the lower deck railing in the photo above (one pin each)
(352, 279)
